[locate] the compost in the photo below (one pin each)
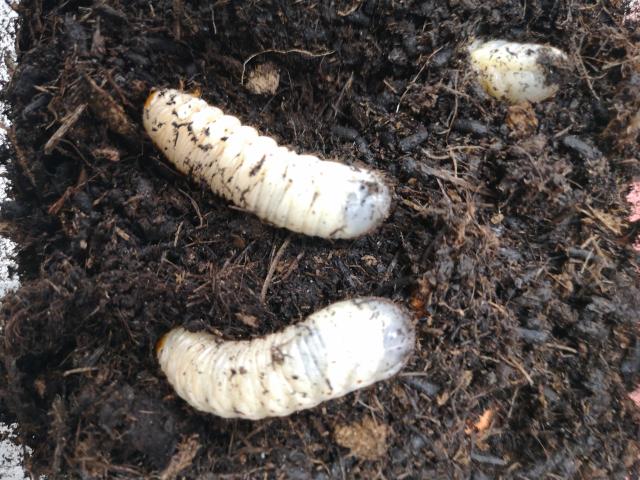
(508, 238)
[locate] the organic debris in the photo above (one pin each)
(264, 79)
(483, 423)
(367, 439)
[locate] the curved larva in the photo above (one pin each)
(344, 347)
(517, 71)
(299, 192)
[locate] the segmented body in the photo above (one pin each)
(518, 72)
(346, 346)
(299, 192)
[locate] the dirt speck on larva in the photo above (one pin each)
(509, 241)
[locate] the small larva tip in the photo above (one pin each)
(160, 344)
(150, 98)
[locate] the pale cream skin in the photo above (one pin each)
(341, 348)
(299, 192)
(517, 72)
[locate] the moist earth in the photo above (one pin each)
(507, 238)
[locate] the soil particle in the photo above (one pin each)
(582, 148)
(409, 143)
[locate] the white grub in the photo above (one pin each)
(518, 72)
(341, 348)
(299, 192)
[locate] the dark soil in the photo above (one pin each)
(508, 240)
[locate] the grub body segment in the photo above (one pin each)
(344, 347)
(299, 192)
(518, 72)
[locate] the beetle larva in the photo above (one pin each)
(341, 348)
(518, 72)
(299, 192)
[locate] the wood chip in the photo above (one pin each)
(109, 111)
(187, 451)
(122, 234)
(249, 320)
(107, 153)
(264, 79)
(67, 123)
(483, 423)
(366, 439)
(521, 120)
